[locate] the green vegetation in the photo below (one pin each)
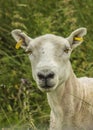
(21, 103)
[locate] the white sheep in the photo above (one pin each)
(70, 98)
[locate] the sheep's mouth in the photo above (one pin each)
(47, 88)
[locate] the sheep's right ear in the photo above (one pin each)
(22, 39)
(76, 37)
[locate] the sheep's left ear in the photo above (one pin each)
(76, 37)
(22, 39)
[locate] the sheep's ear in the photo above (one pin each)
(22, 39)
(76, 37)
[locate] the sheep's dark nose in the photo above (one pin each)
(44, 77)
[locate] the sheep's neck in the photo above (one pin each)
(64, 98)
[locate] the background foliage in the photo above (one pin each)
(21, 103)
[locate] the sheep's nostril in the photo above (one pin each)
(41, 76)
(50, 75)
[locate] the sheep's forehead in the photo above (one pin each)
(50, 41)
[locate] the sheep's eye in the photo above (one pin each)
(29, 52)
(66, 50)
